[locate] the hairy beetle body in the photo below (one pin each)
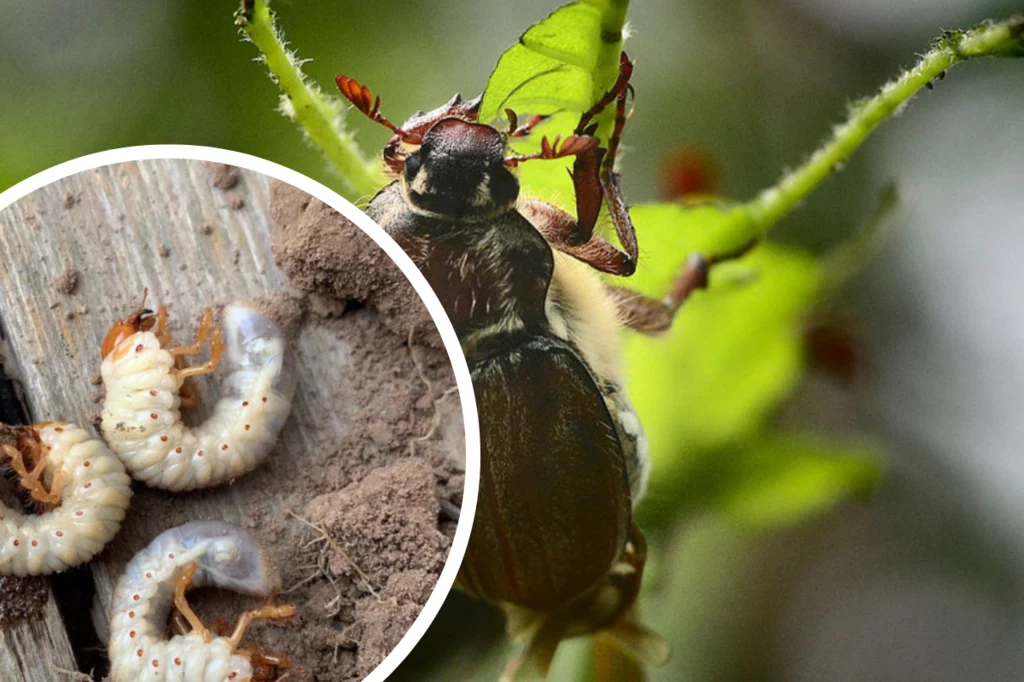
(494, 278)
(564, 458)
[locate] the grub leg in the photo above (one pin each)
(205, 327)
(181, 583)
(31, 480)
(163, 335)
(267, 612)
(216, 353)
(265, 665)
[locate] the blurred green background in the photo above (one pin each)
(920, 581)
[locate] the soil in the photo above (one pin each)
(225, 176)
(337, 263)
(382, 486)
(21, 598)
(67, 283)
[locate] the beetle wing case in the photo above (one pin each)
(556, 496)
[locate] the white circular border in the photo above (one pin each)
(437, 313)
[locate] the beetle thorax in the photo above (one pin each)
(458, 172)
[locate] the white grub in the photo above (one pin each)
(141, 412)
(197, 554)
(82, 485)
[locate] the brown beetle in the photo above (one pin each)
(563, 454)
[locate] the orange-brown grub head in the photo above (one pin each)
(139, 321)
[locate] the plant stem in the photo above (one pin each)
(998, 39)
(606, 71)
(319, 116)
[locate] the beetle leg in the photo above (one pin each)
(535, 659)
(647, 647)
(651, 316)
(595, 182)
(620, 123)
(615, 92)
(608, 608)
(181, 583)
(561, 230)
(611, 190)
(622, 627)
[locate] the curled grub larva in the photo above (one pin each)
(144, 380)
(80, 484)
(197, 554)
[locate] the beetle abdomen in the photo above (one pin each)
(554, 507)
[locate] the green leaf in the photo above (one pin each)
(735, 350)
(669, 232)
(563, 63)
(560, 67)
(782, 479)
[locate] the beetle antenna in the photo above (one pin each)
(364, 100)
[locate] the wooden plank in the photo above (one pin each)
(37, 650)
(162, 225)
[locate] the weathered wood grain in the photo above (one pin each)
(161, 225)
(36, 650)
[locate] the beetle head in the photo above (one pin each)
(459, 171)
(410, 135)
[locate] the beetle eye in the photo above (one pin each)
(412, 165)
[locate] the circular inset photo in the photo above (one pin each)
(239, 430)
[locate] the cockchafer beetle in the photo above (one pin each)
(563, 453)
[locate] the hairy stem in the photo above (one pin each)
(1002, 39)
(319, 116)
